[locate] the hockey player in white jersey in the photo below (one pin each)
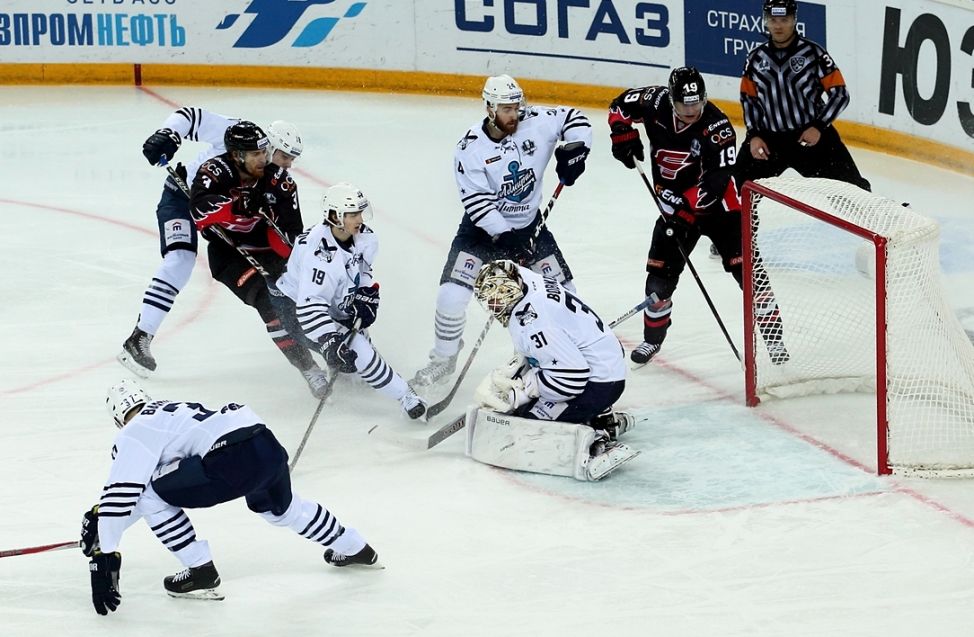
(178, 241)
(498, 166)
(171, 456)
(329, 281)
(569, 371)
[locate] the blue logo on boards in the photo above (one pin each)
(720, 35)
(274, 19)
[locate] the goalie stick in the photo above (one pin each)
(44, 548)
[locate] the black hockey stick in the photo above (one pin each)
(436, 408)
(44, 548)
(635, 310)
(686, 258)
(321, 403)
(218, 231)
(545, 213)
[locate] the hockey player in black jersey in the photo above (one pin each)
(789, 124)
(248, 211)
(693, 148)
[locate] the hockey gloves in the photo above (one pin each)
(626, 145)
(337, 354)
(162, 143)
(571, 162)
(515, 247)
(676, 210)
(89, 532)
(104, 569)
(364, 306)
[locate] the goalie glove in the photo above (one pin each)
(162, 143)
(507, 394)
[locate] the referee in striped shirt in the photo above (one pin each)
(789, 121)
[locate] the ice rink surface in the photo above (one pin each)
(733, 521)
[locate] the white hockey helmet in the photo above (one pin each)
(499, 288)
(123, 397)
(343, 199)
(502, 89)
(284, 136)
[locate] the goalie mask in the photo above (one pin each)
(344, 199)
(499, 288)
(124, 397)
(284, 136)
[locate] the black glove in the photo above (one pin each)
(89, 532)
(571, 162)
(104, 569)
(676, 210)
(337, 354)
(515, 247)
(163, 142)
(626, 145)
(364, 306)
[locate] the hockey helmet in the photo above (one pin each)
(124, 397)
(342, 199)
(502, 89)
(284, 136)
(780, 8)
(244, 136)
(499, 287)
(687, 86)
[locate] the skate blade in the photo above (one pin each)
(375, 566)
(206, 595)
(129, 363)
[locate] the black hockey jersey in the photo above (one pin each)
(695, 160)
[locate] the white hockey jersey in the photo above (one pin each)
(161, 433)
(563, 339)
(321, 275)
(500, 183)
(199, 125)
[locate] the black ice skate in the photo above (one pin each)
(644, 353)
(412, 405)
(366, 558)
(198, 582)
(135, 354)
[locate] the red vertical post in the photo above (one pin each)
(882, 398)
(750, 369)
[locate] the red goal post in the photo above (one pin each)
(853, 280)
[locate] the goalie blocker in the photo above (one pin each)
(543, 446)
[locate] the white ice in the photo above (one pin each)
(733, 521)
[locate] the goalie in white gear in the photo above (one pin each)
(170, 456)
(569, 370)
(329, 282)
(178, 240)
(498, 166)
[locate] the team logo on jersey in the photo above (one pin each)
(325, 252)
(763, 66)
(528, 147)
(695, 148)
(670, 162)
(526, 316)
(518, 184)
(469, 137)
(274, 19)
(798, 63)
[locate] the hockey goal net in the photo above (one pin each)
(843, 293)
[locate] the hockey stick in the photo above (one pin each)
(423, 444)
(218, 231)
(686, 259)
(60, 546)
(436, 408)
(637, 309)
(321, 403)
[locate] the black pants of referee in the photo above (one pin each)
(829, 158)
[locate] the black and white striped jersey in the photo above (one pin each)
(564, 340)
(162, 433)
(198, 125)
(500, 183)
(792, 88)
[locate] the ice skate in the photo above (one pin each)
(135, 354)
(644, 353)
(412, 405)
(317, 381)
(366, 558)
(607, 456)
(197, 582)
(438, 369)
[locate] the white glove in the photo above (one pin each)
(525, 389)
(492, 397)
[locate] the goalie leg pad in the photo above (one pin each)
(548, 447)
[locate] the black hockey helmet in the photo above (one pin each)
(245, 136)
(687, 86)
(780, 8)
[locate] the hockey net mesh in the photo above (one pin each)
(822, 276)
